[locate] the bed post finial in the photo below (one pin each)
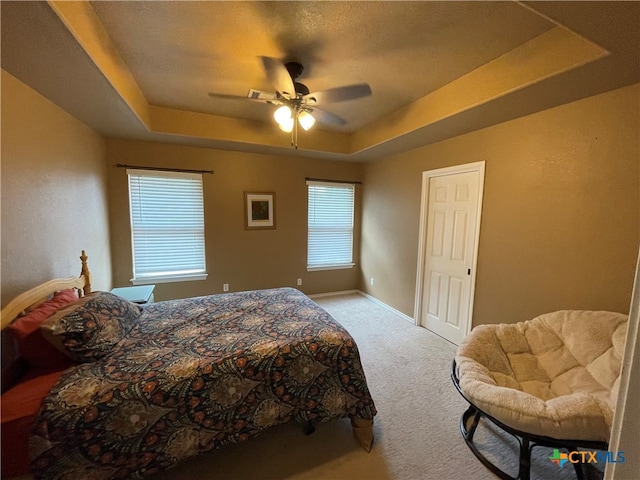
(86, 273)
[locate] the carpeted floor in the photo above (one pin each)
(416, 430)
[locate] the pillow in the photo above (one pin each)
(88, 329)
(34, 348)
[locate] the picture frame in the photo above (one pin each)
(259, 210)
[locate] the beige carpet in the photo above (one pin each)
(417, 426)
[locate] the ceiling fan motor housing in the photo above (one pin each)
(295, 70)
(301, 89)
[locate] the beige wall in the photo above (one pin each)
(245, 259)
(54, 201)
(560, 221)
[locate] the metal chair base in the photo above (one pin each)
(527, 441)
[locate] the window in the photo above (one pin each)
(330, 225)
(167, 226)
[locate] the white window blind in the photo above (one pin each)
(167, 225)
(330, 225)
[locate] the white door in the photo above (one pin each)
(451, 205)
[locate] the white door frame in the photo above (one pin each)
(422, 239)
(626, 422)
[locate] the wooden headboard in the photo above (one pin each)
(30, 299)
(13, 367)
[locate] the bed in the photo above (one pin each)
(137, 390)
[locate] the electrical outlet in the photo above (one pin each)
(372, 281)
(225, 287)
(299, 282)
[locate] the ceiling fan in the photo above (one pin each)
(297, 106)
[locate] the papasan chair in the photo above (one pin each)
(551, 381)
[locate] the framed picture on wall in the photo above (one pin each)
(259, 210)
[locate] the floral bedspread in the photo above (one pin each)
(194, 375)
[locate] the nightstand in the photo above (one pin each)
(141, 294)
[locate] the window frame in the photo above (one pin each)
(331, 265)
(140, 278)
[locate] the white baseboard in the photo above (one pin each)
(388, 307)
(331, 294)
(366, 295)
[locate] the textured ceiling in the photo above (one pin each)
(437, 69)
(180, 51)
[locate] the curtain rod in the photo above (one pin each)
(330, 181)
(162, 169)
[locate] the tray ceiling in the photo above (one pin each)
(437, 69)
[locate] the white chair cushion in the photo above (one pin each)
(556, 375)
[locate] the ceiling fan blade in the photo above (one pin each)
(278, 76)
(327, 118)
(339, 94)
(259, 95)
(252, 95)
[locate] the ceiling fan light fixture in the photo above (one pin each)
(283, 115)
(286, 125)
(306, 120)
